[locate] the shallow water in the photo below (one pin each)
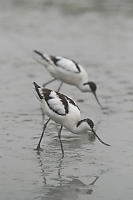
(99, 35)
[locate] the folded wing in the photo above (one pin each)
(66, 64)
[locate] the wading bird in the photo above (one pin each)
(64, 111)
(67, 71)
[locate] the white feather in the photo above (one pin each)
(67, 64)
(56, 104)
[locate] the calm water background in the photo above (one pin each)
(98, 34)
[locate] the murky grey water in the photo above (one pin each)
(98, 34)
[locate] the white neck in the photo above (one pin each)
(83, 127)
(84, 88)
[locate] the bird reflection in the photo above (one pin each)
(64, 187)
(40, 159)
(41, 166)
(59, 168)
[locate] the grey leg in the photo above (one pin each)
(59, 135)
(54, 79)
(44, 127)
(60, 86)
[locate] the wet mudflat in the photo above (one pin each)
(98, 34)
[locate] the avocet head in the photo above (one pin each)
(90, 123)
(92, 88)
(86, 122)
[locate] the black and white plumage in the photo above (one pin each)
(64, 111)
(67, 71)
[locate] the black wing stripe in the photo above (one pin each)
(64, 102)
(76, 64)
(62, 99)
(56, 60)
(72, 102)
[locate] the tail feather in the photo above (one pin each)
(37, 90)
(43, 56)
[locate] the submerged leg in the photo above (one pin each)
(59, 135)
(44, 127)
(60, 86)
(54, 79)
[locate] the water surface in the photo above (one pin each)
(99, 35)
